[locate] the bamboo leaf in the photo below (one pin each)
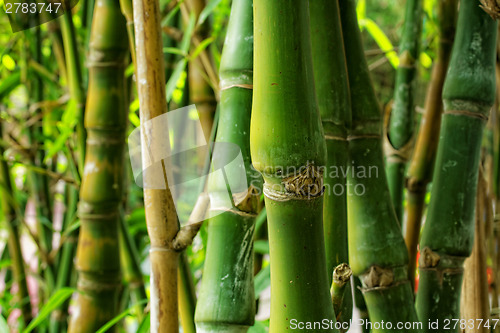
(4, 264)
(425, 60)
(261, 246)
(361, 9)
(3, 325)
(58, 298)
(181, 65)
(259, 327)
(10, 83)
(262, 280)
(381, 39)
(171, 14)
(172, 82)
(203, 45)
(145, 324)
(8, 62)
(209, 8)
(66, 126)
(174, 50)
(122, 315)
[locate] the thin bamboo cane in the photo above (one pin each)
(58, 321)
(288, 148)
(161, 216)
(400, 130)
(226, 299)
(39, 187)
(332, 91)
(187, 295)
(468, 95)
(132, 273)
(98, 260)
(200, 91)
(377, 253)
(422, 162)
(75, 79)
(13, 242)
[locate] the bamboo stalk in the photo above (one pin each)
(226, 300)
(187, 295)
(332, 91)
(14, 245)
(399, 139)
(468, 95)
(200, 91)
(132, 273)
(161, 216)
(288, 148)
(422, 161)
(98, 260)
(377, 253)
(58, 320)
(75, 79)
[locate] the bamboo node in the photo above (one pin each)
(185, 236)
(467, 114)
(308, 182)
(335, 137)
(492, 7)
(242, 85)
(377, 277)
(247, 201)
(341, 274)
(415, 185)
(428, 258)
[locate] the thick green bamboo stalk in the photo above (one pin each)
(332, 91)
(400, 128)
(448, 235)
(377, 253)
(98, 259)
(13, 242)
(226, 300)
(161, 216)
(422, 162)
(288, 148)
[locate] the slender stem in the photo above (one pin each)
(187, 295)
(161, 216)
(400, 130)
(200, 91)
(75, 79)
(422, 162)
(14, 241)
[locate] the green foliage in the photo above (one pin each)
(58, 298)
